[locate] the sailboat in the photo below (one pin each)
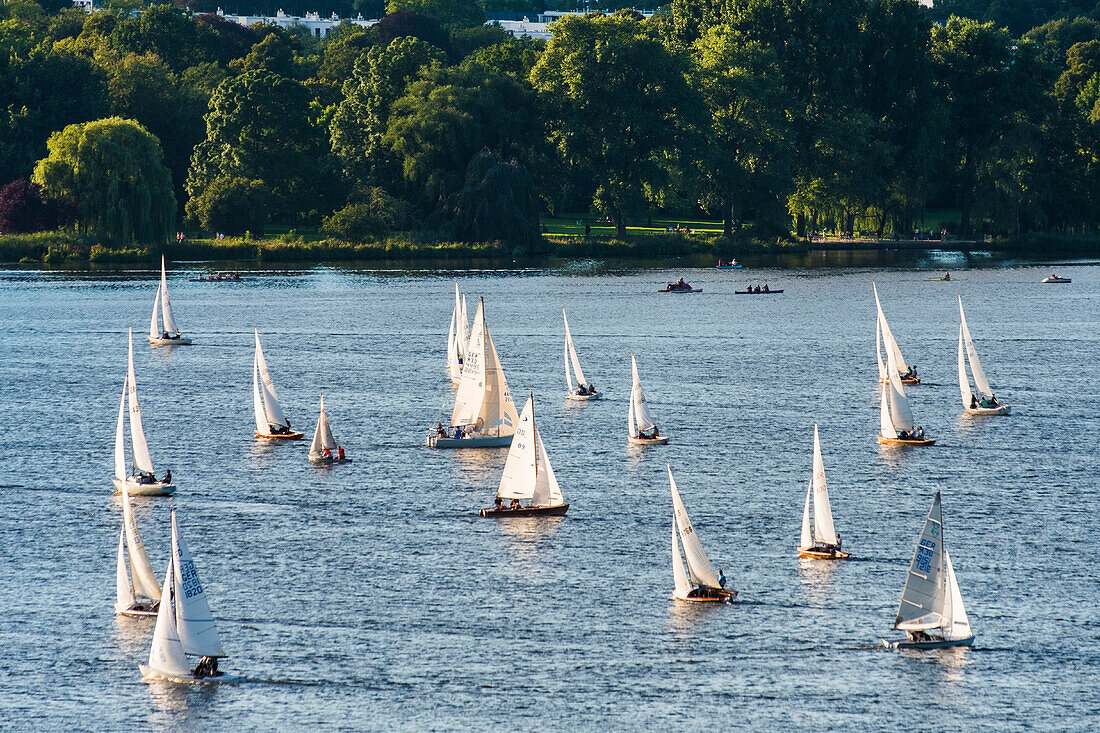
(641, 430)
(697, 583)
(162, 306)
(980, 401)
(142, 481)
(270, 420)
(185, 625)
(895, 418)
(824, 541)
(484, 415)
(583, 390)
(457, 337)
(931, 611)
(528, 474)
(908, 374)
(324, 448)
(137, 592)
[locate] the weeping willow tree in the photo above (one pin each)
(115, 170)
(498, 203)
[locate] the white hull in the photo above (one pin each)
(148, 674)
(1002, 410)
(181, 341)
(141, 613)
(133, 488)
(586, 397)
(435, 441)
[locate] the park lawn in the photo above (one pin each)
(567, 225)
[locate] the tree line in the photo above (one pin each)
(776, 116)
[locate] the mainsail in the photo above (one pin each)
(322, 436)
(981, 383)
(823, 513)
(120, 450)
(889, 342)
(572, 363)
(165, 302)
(638, 417)
(141, 570)
(139, 448)
(698, 565)
(265, 401)
(483, 398)
(922, 599)
(900, 416)
(194, 622)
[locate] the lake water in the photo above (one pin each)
(370, 595)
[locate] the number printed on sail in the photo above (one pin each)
(924, 556)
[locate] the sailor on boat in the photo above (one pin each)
(207, 667)
(946, 276)
(650, 435)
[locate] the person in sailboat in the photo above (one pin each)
(515, 504)
(910, 373)
(498, 504)
(207, 667)
(326, 453)
(340, 452)
(721, 578)
(919, 435)
(168, 476)
(973, 402)
(440, 430)
(591, 388)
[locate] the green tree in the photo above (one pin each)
(457, 13)
(259, 128)
(114, 169)
(612, 97)
(381, 76)
(231, 206)
(746, 161)
(499, 202)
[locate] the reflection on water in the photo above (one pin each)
(525, 535)
(686, 619)
(817, 578)
(132, 636)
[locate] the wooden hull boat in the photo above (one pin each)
(719, 596)
(999, 410)
(681, 290)
(181, 341)
(930, 644)
(503, 441)
(148, 674)
(292, 435)
(910, 381)
(133, 488)
(663, 440)
(822, 553)
(913, 442)
(586, 397)
(526, 511)
(141, 610)
(755, 292)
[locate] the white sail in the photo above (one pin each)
(680, 585)
(571, 351)
(964, 382)
(519, 476)
(631, 428)
(139, 449)
(273, 411)
(547, 492)
(258, 401)
(643, 420)
(922, 598)
(453, 365)
(141, 570)
(166, 652)
(165, 302)
(980, 381)
(120, 450)
(483, 398)
(888, 340)
(900, 414)
(699, 567)
(463, 332)
(806, 539)
(878, 349)
(154, 321)
(124, 594)
(886, 423)
(823, 513)
(194, 622)
(956, 625)
(322, 436)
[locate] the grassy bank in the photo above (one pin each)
(67, 247)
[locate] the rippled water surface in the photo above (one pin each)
(370, 595)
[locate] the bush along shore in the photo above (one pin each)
(67, 247)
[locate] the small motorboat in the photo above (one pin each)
(758, 291)
(680, 287)
(1057, 279)
(731, 265)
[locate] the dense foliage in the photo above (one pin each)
(774, 115)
